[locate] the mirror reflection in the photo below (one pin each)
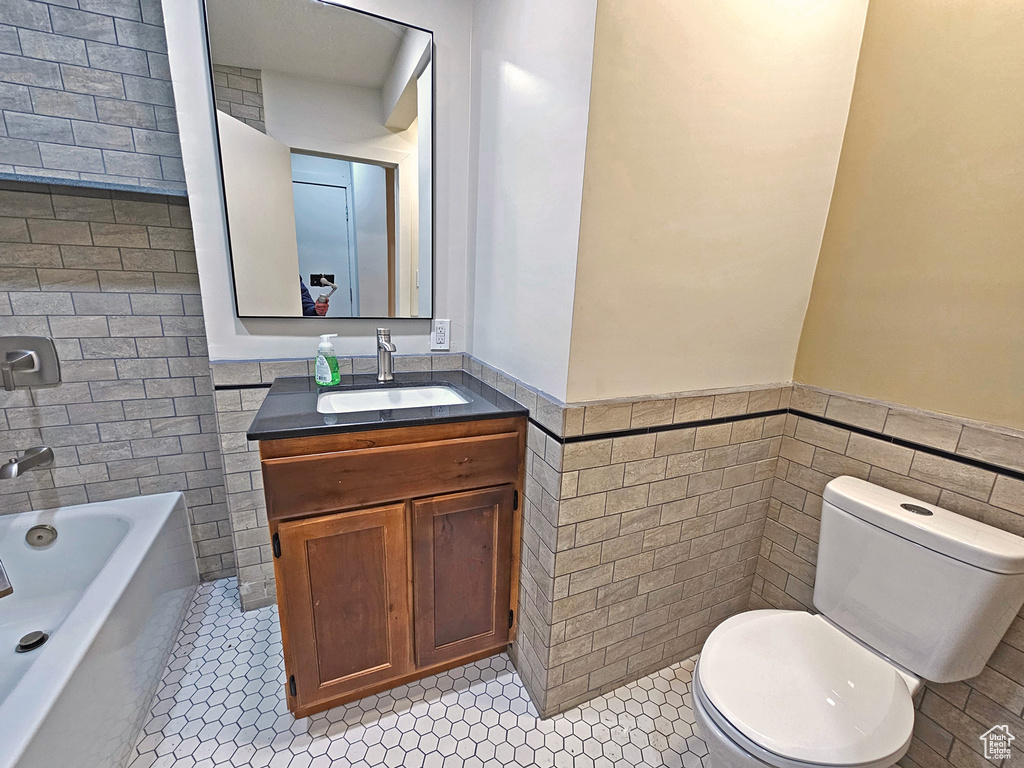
(324, 118)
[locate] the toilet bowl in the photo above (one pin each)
(906, 591)
(790, 690)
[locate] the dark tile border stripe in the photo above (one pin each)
(660, 427)
(261, 385)
(1016, 474)
(999, 470)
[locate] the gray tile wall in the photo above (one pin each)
(85, 93)
(635, 547)
(112, 278)
(951, 717)
(239, 92)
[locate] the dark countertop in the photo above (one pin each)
(289, 409)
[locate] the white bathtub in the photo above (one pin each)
(111, 592)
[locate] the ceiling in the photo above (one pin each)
(303, 37)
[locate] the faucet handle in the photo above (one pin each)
(384, 333)
(17, 360)
(28, 361)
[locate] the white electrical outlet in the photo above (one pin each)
(441, 336)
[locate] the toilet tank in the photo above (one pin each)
(932, 590)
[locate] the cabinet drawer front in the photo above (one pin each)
(323, 482)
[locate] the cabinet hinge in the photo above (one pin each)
(511, 616)
(276, 541)
(291, 685)
(515, 499)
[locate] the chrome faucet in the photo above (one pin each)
(40, 456)
(385, 365)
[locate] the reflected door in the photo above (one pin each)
(322, 235)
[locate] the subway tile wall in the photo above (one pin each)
(239, 92)
(85, 93)
(111, 276)
(636, 546)
(951, 717)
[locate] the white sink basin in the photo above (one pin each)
(387, 399)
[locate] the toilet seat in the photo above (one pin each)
(802, 692)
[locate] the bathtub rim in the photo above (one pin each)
(40, 687)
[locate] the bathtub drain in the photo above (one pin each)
(31, 641)
(41, 536)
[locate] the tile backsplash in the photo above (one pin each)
(112, 278)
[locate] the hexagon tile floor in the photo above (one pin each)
(221, 705)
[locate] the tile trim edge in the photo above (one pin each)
(922, 447)
(660, 427)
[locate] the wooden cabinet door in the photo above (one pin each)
(343, 595)
(461, 570)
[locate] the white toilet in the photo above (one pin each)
(907, 591)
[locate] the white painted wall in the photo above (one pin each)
(330, 117)
(532, 64)
(399, 92)
(408, 212)
(233, 339)
(425, 178)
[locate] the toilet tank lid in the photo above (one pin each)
(956, 536)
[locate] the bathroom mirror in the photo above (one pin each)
(325, 133)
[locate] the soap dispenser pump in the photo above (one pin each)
(327, 372)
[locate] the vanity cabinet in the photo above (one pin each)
(395, 553)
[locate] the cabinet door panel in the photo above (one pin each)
(461, 570)
(463, 603)
(353, 618)
(344, 601)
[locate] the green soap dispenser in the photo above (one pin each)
(327, 372)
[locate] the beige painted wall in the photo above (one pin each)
(714, 137)
(919, 292)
